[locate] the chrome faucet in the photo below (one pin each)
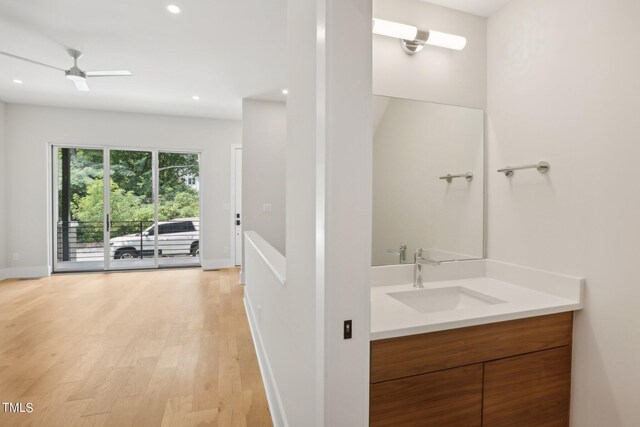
(419, 261)
(401, 253)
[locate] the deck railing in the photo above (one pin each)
(84, 240)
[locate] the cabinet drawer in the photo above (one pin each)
(532, 390)
(451, 398)
(436, 351)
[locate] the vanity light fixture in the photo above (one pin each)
(413, 39)
(17, 81)
(195, 97)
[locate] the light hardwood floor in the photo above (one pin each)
(159, 348)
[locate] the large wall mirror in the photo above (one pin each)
(428, 181)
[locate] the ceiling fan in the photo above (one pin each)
(75, 74)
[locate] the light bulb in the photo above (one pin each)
(449, 41)
(411, 33)
(173, 9)
(394, 29)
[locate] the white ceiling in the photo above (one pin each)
(477, 7)
(222, 51)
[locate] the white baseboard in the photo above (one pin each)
(216, 264)
(24, 272)
(278, 416)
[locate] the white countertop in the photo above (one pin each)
(390, 318)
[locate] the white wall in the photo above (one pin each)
(322, 379)
(414, 145)
(564, 87)
(30, 128)
(435, 74)
(344, 197)
(264, 138)
(3, 202)
(264, 271)
(295, 358)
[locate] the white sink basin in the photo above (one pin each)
(443, 299)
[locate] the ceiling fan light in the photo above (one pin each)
(78, 78)
(81, 85)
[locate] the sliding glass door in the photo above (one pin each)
(146, 215)
(130, 213)
(178, 209)
(79, 226)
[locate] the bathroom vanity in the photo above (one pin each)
(500, 374)
(473, 351)
(482, 343)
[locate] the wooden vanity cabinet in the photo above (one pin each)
(528, 390)
(447, 398)
(514, 373)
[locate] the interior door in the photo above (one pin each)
(238, 205)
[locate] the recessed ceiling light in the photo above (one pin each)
(196, 97)
(17, 81)
(285, 91)
(173, 9)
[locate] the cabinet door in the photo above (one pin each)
(451, 398)
(436, 351)
(529, 390)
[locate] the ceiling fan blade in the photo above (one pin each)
(114, 73)
(81, 85)
(10, 55)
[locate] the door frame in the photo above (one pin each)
(53, 200)
(232, 207)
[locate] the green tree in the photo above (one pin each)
(125, 207)
(183, 205)
(130, 213)
(131, 189)
(173, 168)
(84, 169)
(132, 170)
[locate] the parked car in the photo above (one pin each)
(176, 237)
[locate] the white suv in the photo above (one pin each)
(176, 237)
